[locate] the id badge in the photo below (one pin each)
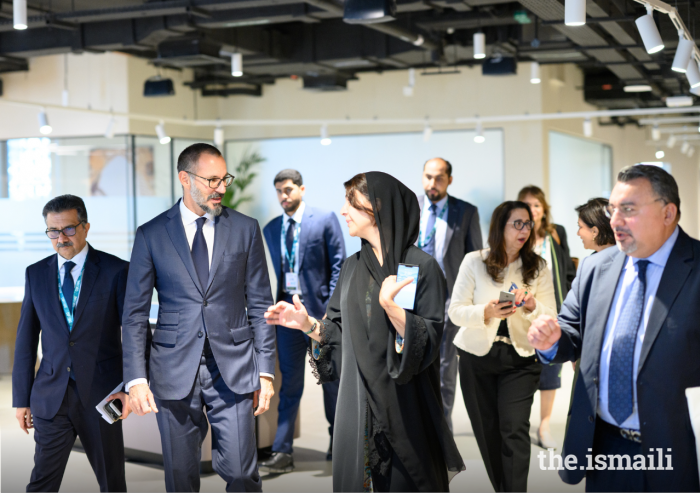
(291, 283)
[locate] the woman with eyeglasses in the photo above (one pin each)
(499, 373)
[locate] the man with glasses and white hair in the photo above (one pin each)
(73, 301)
(632, 318)
(213, 355)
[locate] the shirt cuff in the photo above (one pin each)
(135, 381)
(547, 356)
(262, 374)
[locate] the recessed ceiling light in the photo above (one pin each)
(637, 88)
(679, 101)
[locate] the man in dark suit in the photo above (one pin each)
(72, 300)
(212, 350)
(631, 317)
(449, 230)
(307, 250)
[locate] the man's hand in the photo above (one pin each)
(543, 332)
(141, 399)
(126, 409)
(24, 416)
(291, 316)
(261, 398)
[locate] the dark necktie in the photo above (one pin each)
(289, 240)
(429, 238)
(200, 254)
(68, 284)
(620, 395)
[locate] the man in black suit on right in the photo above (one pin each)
(632, 318)
(449, 229)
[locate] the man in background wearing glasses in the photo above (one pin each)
(72, 300)
(213, 355)
(632, 318)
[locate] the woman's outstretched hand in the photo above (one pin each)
(292, 316)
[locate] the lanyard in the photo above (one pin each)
(429, 237)
(295, 246)
(69, 313)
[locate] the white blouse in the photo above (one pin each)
(474, 288)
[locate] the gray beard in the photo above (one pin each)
(201, 200)
(630, 249)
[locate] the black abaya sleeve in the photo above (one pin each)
(424, 324)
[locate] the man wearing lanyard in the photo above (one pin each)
(72, 300)
(307, 250)
(631, 317)
(449, 229)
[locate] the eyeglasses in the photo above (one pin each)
(627, 211)
(519, 225)
(215, 183)
(67, 231)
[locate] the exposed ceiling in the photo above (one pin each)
(308, 39)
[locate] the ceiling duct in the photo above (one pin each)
(369, 11)
(609, 92)
(189, 52)
(323, 83)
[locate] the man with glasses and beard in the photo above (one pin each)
(449, 229)
(213, 356)
(73, 301)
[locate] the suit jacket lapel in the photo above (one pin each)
(92, 269)
(675, 273)
(452, 217)
(306, 225)
(176, 231)
(222, 230)
(52, 288)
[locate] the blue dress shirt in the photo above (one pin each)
(655, 269)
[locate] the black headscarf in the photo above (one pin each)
(392, 390)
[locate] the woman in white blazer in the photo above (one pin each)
(499, 373)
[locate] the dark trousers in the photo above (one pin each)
(183, 427)
(292, 347)
(607, 441)
(103, 444)
(449, 366)
(498, 390)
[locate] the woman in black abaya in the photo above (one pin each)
(390, 433)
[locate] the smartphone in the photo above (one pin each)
(114, 409)
(506, 296)
(407, 296)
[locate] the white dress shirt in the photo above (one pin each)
(655, 269)
(297, 216)
(79, 261)
(189, 219)
(440, 227)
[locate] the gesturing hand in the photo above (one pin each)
(142, 400)
(390, 288)
(544, 332)
(292, 316)
(261, 398)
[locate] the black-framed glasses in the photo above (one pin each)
(519, 224)
(627, 211)
(215, 183)
(67, 231)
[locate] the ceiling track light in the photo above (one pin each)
(655, 132)
(649, 32)
(325, 138)
(479, 45)
(19, 14)
(408, 90)
(219, 137)
(479, 137)
(44, 127)
(691, 151)
(236, 64)
(109, 131)
(660, 154)
(685, 146)
(427, 132)
(671, 141)
(575, 12)
(535, 73)
(683, 53)
(588, 127)
(160, 132)
(692, 73)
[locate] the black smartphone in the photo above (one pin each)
(114, 409)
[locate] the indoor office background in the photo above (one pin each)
(398, 109)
